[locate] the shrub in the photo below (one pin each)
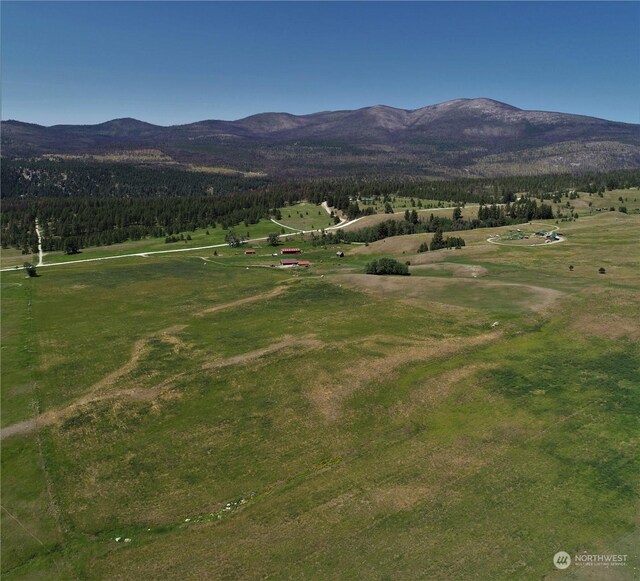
(387, 266)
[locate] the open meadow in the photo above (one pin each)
(305, 216)
(302, 216)
(197, 416)
(587, 204)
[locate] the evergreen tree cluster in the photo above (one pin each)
(340, 192)
(45, 178)
(98, 221)
(80, 204)
(523, 210)
(439, 241)
(387, 266)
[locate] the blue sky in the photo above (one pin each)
(178, 62)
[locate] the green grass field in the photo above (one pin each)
(305, 216)
(301, 216)
(239, 421)
(402, 203)
(589, 204)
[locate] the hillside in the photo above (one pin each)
(464, 137)
(199, 414)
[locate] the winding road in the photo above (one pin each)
(42, 264)
(343, 224)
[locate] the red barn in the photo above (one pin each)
(304, 263)
(291, 251)
(250, 251)
(289, 262)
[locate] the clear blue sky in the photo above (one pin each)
(177, 62)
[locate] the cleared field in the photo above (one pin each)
(132, 155)
(305, 216)
(297, 217)
(401, 203)
(198, 238)
(226, 171)
(588, 204)
(366, 221)
(238, 422)
(13, 257)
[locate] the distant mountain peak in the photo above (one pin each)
(477, 136)
(474, 103)
(125, 122)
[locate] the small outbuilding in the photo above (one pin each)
(250, 251)
(340, 254)
(288, 262)
(304, 263)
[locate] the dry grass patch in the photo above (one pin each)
(241, 302)
(50, 359)
(169, 336)
(328, 391)
(437, 388)
(53, 417)
(287, 342)
(400, 496)
(423, 213)
(461, 270)
(125, 155)
(395, 245)
(606, 325)
(422, 291)
(139, 350)
(226, 171)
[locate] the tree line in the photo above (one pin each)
(523, 210)
(81, 204)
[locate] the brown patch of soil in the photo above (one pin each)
(287, 342)
(55, 416)
(400, 496)
(461, 270)
(413, 290)
(606, 325)
(437, 388)
(168, 336)
(273, 293)
(328, 393)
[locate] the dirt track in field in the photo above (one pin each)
(103, 389)
(287, 342)
(415, 290)
(273, 293)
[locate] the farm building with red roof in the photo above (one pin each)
(290, 251)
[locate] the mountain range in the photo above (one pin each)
(474, 137)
